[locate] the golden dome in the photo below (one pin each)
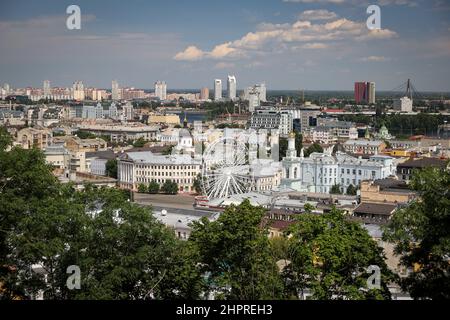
(292, 134)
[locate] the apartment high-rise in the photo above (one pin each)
(217, 89)
(371, 92)
(231, 87)
(161, 90)
(204, 94)
(78, 90)
(360, 92)
(115, 90)
(47, 89)
(365, 92)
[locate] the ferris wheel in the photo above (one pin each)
(225, 169)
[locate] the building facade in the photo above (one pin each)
(161, 90)
(135, 168)
(321, 171)
(231, 88)
(272, 119)
(217, 90)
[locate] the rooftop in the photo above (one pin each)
(423, 163)
(375, 208)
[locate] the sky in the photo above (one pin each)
(288, 44)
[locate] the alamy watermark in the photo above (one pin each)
(74, 280)
(73, 21)
(374, 20)
(374, 281)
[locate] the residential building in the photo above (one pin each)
(386, 190)
(115, 90)
(231, 88)
(75, 144)
(330, 131)
(365, 92)
(127, 112)
(29, 138)
(374, 213)
(78, 91)
(161, 90)
(217, 90)
(371, 92)
(403, 104)
(204, 94)
(47, 89)
(96, 161)
(364, 147)
(57, 156)
(406, 169)
(272, 119)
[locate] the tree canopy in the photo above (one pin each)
(329, 256)
(421, 236)
(234, 252)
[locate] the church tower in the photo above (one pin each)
(291, 151)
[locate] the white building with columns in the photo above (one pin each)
(321, 171)
(135, 168)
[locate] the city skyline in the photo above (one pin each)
(290, 44)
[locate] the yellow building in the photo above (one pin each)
(28, 138)
(170, 119)
(399, 153)
(386, 191)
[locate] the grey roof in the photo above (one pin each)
(107, 155)
(373, 143)
(375, 208)
(147, 157)
(423, 163)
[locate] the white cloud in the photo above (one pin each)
(312, 15)
(315, 45)
(280, 37)
(375, 59)
(191, 53)
(378, 34)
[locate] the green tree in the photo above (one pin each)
(139, 143)
(153, 187)
(85, 135)
(421, 236)
(198, 184)
(315, 147)
(122, 250)
(170, 187)
(298, 142)
(142, 188)
(329, 256)
(283, 146)
(234, 252)
(351, 190)
(5, 139)
(167, 150)
(111, 168)
(336, 189)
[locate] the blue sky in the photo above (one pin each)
(290, 44)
